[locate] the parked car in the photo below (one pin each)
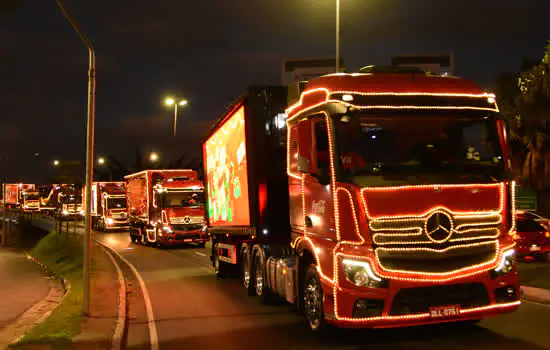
(532, 239)
(533, 215)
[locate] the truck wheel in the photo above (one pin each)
(201, 244)
(313, 300)
(247, 271)
(260, 281)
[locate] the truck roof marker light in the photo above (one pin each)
(328, 93)
(347, 97)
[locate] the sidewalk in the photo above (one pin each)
(22, 285)
(97, 331)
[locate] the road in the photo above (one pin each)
(194, 310)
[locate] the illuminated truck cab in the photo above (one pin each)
(31, 200)
(109, 206)
(398, 187)
(166, 207)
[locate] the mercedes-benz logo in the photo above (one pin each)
(439, 227)
(186, 220)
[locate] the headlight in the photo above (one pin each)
(506, 263)
(360, 273)
(82, 212)
(109, 221)
(65, 212)
(26, 207)
(167, 229)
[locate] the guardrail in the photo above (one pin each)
(15, 217)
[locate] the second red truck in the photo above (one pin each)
(166, 207)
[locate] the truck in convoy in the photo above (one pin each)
(166, 207)
(47, 194)
(381, 199)
(109, 206)
(67, 202)
(14, 194)
(30, 200)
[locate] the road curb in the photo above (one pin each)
(122, 318)
(39, 312)
(538, 295)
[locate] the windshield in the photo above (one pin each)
(382, 150)
(528, 226)
(183, 199)
(31, 197)
(116, 203)
(69, 199)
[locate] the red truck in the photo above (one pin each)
(14, 194)
(30, 200)
(109, 206)
(64, 202)
(381, 199)
(166, 207)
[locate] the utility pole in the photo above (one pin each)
(89, 155)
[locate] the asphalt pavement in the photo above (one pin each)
(22, 285)
(192, 309)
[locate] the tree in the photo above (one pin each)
(532, 122)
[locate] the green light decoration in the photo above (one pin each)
(229, 214)
(237, 188)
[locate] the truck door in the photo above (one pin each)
(319, 206)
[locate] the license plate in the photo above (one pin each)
(445, 311)
(188, 240)
(534, 248)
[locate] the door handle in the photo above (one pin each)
(308, 221)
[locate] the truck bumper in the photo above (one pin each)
(179, 237)
(406, 303)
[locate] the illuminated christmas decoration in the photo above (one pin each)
(466, 226)
(326, 97)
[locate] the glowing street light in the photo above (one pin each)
(169, 101)
(101, 161)
(56, 162)
(153, 157)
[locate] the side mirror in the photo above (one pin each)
(323, 176)
(303, 164)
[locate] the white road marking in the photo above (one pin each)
(153, 335)
(199, 253)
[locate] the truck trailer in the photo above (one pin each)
(166, 207)
(378, 199)
(109, 206)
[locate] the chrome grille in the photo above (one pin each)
(411, 230)
(438, 242)
(187, 220)
(119, 215)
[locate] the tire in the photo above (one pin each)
(313, 300)
(158, 243)
(260, 286)
(201, 244)
(246, 271)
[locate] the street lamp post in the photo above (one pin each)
(337, 36)
(169, 102)
(89, 155)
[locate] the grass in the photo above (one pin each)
(62, 254)
(534, 274)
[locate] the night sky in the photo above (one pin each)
(208, 52)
